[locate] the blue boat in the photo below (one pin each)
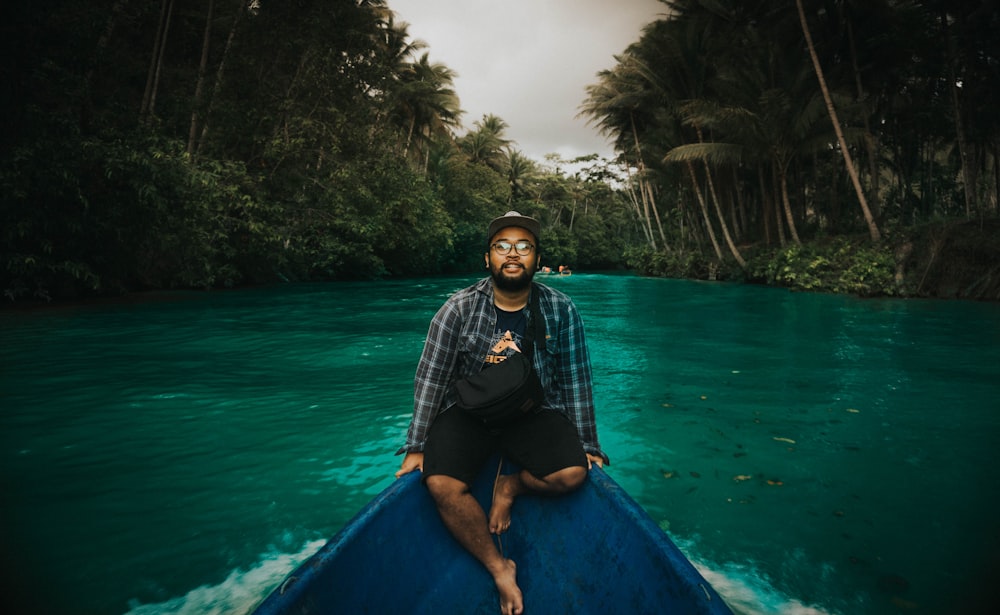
(592, 551)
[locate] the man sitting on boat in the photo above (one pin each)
(554, 446)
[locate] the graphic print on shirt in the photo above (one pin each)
(507, 336)
(502, 347)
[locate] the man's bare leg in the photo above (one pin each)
(466, 520)
(509, 486)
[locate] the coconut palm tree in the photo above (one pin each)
(675, 58)
(520, 170)
(622, 105)
(852, 170)
(486, 143)
(427, 103)
(420, 94)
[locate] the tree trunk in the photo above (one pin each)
(634, 200)
(740, 207)
(765, 204)
(656, 215)
(779, 209)
(219, 73)
(718, 211)
(787, 206)
(649, 204)
(681, 232)
(644, 196)
(968, 180)
(692, 220)
(873, 231)
(148, 108)
(704, 210)
(199, 85)
(722, 220)
(871, 143)
(409, 135)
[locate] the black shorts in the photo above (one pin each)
(458, 445)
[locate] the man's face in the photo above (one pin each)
(512, 271)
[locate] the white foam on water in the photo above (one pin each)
(743, 587)
(240, 592)
(748, 593)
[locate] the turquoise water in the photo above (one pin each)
(810, 453)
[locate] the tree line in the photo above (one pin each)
(805, 141)
(213, 143)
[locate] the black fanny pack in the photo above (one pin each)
(505, 391)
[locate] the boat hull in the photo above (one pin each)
(592, 551)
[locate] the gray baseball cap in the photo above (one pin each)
(512, 218)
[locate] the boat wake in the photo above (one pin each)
(744, 590)
(749, 595)
(239, 593)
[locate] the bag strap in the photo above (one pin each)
(537, 330)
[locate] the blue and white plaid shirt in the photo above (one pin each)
(459, 339)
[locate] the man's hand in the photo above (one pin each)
(411, 462)
(592, 459)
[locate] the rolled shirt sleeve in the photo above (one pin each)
(572, 373)
(434, 374)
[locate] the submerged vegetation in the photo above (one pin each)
(820, 145)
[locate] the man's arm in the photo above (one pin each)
(577, 382)
(433, 377)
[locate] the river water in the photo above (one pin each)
(811, 454)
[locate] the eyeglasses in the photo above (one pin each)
(523, 248)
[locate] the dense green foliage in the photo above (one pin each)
(211, 143)
(752, 155)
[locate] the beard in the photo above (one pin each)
(512, 282)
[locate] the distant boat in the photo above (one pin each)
(592, 551)
(563, 270)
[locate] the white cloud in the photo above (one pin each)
(529, 62)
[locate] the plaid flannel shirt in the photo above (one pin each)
(459, 339)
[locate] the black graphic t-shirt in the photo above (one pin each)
(507, 335)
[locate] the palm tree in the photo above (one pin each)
(520, 170)
(761, 107)
(848, 162)
(427, 101)
(485, 143)
(621, 104)
(675, 58)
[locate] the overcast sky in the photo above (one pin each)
(529, 61)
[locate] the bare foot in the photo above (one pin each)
(511, 599)
(504, 493)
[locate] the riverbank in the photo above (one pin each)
(955, 261)
(946, 260)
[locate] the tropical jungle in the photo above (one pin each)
(827, 145)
